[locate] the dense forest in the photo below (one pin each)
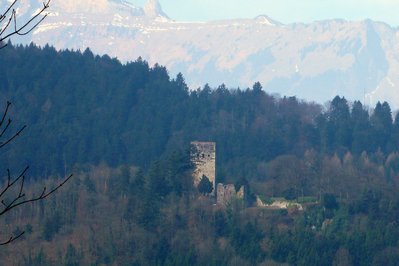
(85, 109)
(124, 131)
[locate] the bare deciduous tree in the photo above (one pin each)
(12, 194)
(10, 25)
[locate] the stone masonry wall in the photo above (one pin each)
(203, 156)
(226, 193)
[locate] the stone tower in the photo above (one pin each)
(203, 156)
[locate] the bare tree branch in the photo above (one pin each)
(11, 15)
(15, 186)
(5, 113)
(12, 239)
(12, 194)
(6, 127)
(20, 198)
(4, 15)
(11, 183)
(2, 144)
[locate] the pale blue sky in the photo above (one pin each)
(285, 11)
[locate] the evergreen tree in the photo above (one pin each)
(361, 128)
(72, 258)
(339, 118)
(381, 122)
(157, 185)
(205, 186)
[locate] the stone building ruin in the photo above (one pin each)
(203, 156)
(227, 193)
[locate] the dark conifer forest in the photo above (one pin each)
(124, 131)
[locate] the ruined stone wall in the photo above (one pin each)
(227, 193)
(203, 156)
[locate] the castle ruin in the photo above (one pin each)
(227, 193)
(203, 156)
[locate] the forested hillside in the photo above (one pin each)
(86, 109)
(124, 131)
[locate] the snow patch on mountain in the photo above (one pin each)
(153, 9)
(266, 20)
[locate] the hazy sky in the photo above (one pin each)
(285, 11)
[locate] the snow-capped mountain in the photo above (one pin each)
(316, 61)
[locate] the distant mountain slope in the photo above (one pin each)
(359, 60)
